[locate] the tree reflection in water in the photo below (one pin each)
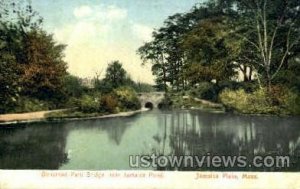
(194, 133)
(37, 147)
(106, 144)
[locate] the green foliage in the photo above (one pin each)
(271, 29)
(109, 103)
(31, 62)
(27, 104)
(70, 114)
(9, 68)
(103, 86)
(258, 102)
(205, 90)
(293, 103)
(167, 103)
(234, 85)
(73, 86)
(290, 76)
(120, 99)
(44, 69)
(89, 104)
(218, 38)
(207, 52)
(19, 14)
(138, 86)
(143, 88)
(190, 48)
(128, 99)
(115, 75)
(210, 91)
(178, 100)
(9, 90)
(243, 102)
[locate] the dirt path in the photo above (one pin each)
(41, 116)
(26, 116)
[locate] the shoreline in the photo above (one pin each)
(36, 117)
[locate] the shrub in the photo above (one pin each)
(292, 102)
(167, 102)
(205, 90)
(26, 104)
(281, 101)
(73, 86)
(128, 99)
(246, 103)
(72, 102)
(109, 103)
(89, 104)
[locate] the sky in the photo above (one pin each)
(97, 32)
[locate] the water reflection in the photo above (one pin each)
(98, 144)
(37, 147)
(194, 133)
(107, 144)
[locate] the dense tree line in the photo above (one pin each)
(218, 42)
(116, 76)
(218, 38)
(31, 61)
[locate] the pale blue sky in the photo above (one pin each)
(99, 31)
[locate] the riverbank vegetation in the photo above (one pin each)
(243, 54)
(34, 76)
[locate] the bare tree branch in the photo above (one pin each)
(285, 54)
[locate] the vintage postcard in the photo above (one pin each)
(150, 94)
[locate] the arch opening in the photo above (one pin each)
(160, 106)
(149, 105)
(164, 105)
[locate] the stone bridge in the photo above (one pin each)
(151, 100)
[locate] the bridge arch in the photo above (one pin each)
(149, 105)
(151, 100)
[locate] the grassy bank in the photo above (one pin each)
(275, 102)
(243, 98)
(181, 101)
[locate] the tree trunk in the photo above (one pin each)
(164, 72)
(250, 73)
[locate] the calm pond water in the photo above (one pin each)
(107, 144)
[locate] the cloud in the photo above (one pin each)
(109, 14)
(82, 11)
(100, 34)
(101, 12)
(90, 22)
(142, 32)
(115, 13)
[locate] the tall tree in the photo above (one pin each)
(73, 86)
(16, 17)
(272, 29)
(154, 52)
(207, 52)
(115, 75)
(165, 52)
(44, 69)
(31, 57)
(9, 90)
